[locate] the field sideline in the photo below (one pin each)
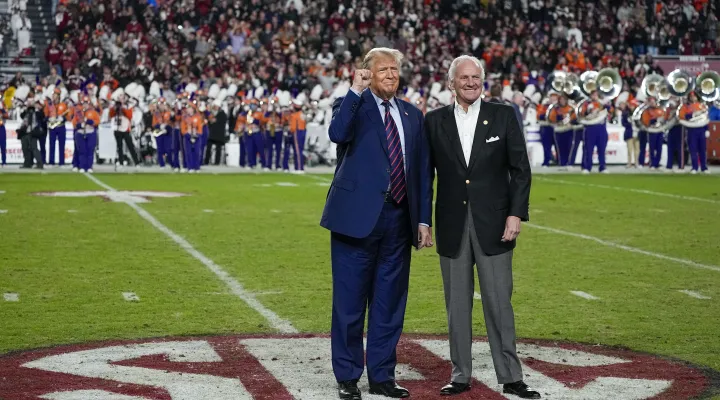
(620, 260)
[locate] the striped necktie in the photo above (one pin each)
(397, 165)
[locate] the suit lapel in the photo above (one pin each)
(407, 132)
(373, 113)
(449, 126)
(484, 123)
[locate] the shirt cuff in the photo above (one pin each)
(355, 91)
(424, 224)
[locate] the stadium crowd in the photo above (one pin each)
(297, 46)
(293, 45)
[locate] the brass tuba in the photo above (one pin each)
(651, 84)
(708, 86)
(566, 82)
(680, 83)
(609, 83)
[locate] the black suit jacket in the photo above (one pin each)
(496, 183)
(217, 128)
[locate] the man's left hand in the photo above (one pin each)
(424, 237)
(512, 229)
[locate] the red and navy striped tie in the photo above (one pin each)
(397, 165)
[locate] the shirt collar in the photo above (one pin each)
(379, 101)
(474, 107)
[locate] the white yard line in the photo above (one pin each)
(319, 178)
(130, 296)
(689, 263)
(13, 297)
(235, 287)
(3, 211)
(695, 294)
(286, 184)
(584, 295)
(643, 191)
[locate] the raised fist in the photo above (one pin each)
(362, 79)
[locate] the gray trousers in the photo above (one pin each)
(495, 276)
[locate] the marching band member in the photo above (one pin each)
(254, 139)
(191, 129)
(56, 111)
(75, 115)
(241, 116)
(694, 115)
(177, 145)
(653, 118)
(274, 137)
(630, 134)
(162, 131)
(562, 117)
(3, 136)
(577, 141)
(122, 117)
(296, 139)
(642, 135)
(86, 123)
(593, 115)
(204, 113)
(675, 140)
(547, 135)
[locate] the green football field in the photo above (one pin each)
(644, 250)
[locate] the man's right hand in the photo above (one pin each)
(361, 81)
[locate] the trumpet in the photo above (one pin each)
(159, 131)
(58, 121)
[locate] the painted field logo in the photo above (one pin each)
(121, 196)
(298, 367)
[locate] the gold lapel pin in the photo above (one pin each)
(485, 122)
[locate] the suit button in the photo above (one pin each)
(464, 202)
(388, 170)
(467, 182)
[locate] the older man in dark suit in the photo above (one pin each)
(483, 190)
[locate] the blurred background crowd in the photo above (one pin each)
(298, 46)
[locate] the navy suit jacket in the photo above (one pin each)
(362, 176)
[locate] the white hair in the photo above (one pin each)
(457, 61)
(382, 51)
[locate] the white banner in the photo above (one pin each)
(14, 148)
(615, 152)
(107, 148)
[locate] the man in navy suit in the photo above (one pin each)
(378, 206)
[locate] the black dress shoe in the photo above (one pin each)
(520, 389)
(454, 388)
(348, 390)
(389, 389)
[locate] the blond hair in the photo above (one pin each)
(382, 51)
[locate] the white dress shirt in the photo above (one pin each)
(466, 122)
(395, 114)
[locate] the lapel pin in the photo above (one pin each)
(406, 113)
(485, 122)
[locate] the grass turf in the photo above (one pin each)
(71, 268)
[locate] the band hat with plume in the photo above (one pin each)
(316, 92)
